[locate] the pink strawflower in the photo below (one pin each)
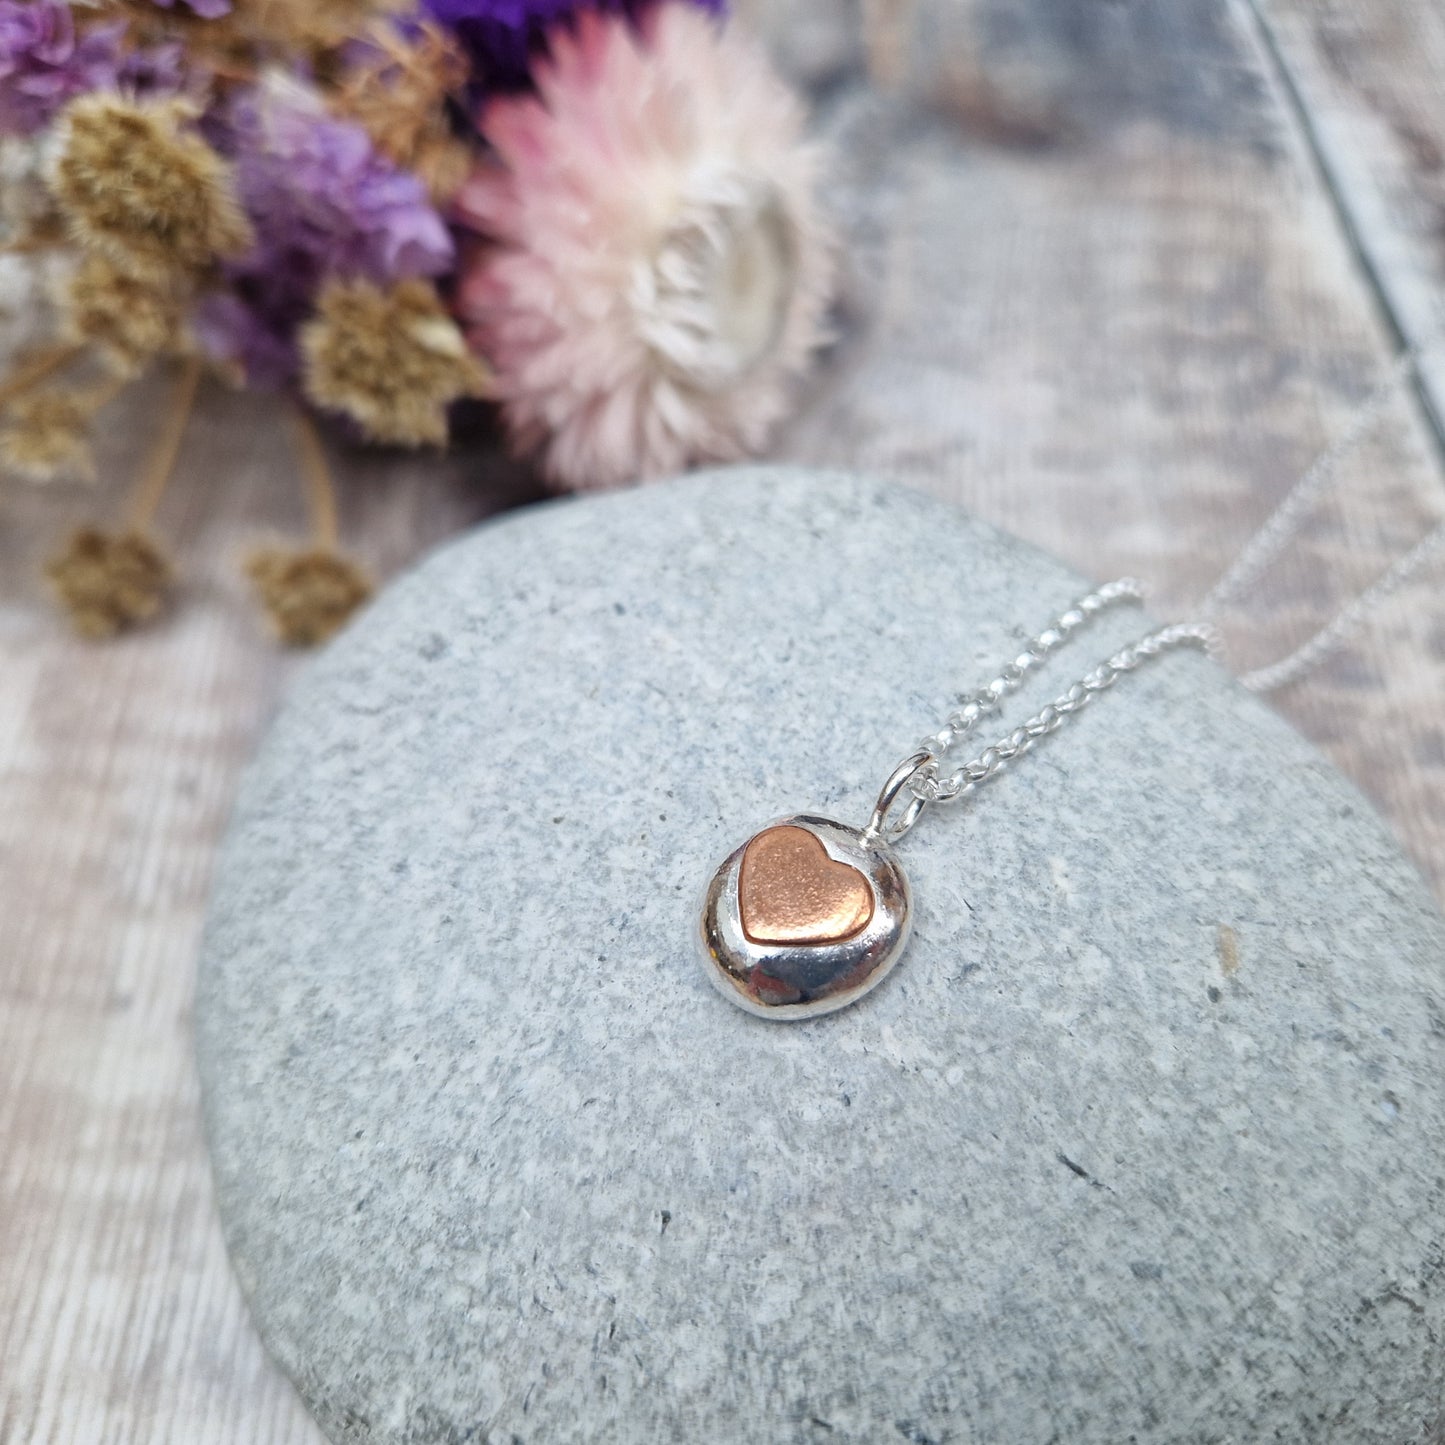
(656, 273)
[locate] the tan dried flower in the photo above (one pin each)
(398, 92)
(48, 436)
(392, 360)
(137, 186)
(310, 24)
(253, 33)
(249, 26)
(308, 595)
(127, 319)
(226, 45)
(109, 581)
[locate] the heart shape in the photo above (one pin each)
(791, 891)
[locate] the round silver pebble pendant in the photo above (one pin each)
(805, 918)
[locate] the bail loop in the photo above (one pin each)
(898, 780)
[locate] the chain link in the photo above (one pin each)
(973, 707)
(928, 785)
(922, 775)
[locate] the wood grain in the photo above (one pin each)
(118, 764)
(1367, 83)
(1103, 296)
(1117, 273)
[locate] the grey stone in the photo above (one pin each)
(1141, 1141)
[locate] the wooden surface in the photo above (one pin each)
(1117, 273)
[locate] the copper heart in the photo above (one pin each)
(791, 891)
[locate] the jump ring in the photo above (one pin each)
(898, 779)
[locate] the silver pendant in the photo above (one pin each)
(809, 915)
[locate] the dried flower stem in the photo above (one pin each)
(162, 464)
(46, 364)
(99, 397)
(320, 493)
(310, 593)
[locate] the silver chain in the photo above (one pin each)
(1308, 656)
(1285, 523)
(921, 774)
(1289, 516)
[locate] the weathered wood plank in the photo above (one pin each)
(1369, 82)
(117, 768)
(1102, 298)
(1098, 295)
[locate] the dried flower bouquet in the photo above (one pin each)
(600, 215)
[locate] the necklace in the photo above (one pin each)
(810, 914)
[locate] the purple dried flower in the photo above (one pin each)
(323, 202)
(44, 63)
(240, 333)
(502, 35)
(206, 9)
(157, 71)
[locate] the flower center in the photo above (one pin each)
(713, 301)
